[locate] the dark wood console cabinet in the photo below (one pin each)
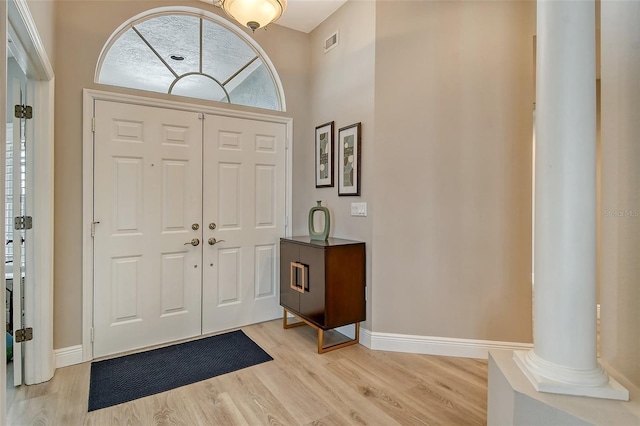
(323, 284)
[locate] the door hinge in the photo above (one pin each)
(93, 228)
(201, 116)
(23, 111)
(92, 335)
(93, 124)
(23, 222)
(23, 335)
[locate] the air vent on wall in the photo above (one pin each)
(331, 42)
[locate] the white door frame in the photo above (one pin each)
(15, 18)
(3, 154)
(89, 96)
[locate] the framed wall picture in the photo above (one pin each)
(324, 155)
(349, 160)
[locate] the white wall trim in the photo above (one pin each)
(92, 94)
(38, 292)
(68, 356)
(427, 345)
(87, 219)
(89, 98)
(37, 62)
(3, 131)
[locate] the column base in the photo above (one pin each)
(609, 389)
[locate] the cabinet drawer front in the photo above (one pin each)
(312, 303)
(289, 297)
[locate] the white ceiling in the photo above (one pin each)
(305, 15)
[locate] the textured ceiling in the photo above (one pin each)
(305, 15)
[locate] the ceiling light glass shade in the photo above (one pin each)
(254, 13)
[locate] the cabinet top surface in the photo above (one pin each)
(330, 242)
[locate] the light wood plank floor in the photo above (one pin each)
(352, 385)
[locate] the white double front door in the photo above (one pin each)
(188, 212)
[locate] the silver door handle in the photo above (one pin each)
(212, 241)
(193, 242)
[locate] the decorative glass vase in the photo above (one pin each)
(324, 234)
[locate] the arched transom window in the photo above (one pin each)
(190, 54)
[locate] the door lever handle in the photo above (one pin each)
(193, 242)
(212, 241)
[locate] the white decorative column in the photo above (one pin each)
(564, 358)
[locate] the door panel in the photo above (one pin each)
(128, 201)
(265, 196)
(266, 270)
(244, 190)
(148, 193)
(230, 194)
(175, 183)
(174, 287)
(125, 289)
(229, 264)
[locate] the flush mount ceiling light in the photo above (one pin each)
(253, 13)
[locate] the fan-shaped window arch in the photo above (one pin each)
(190, 52)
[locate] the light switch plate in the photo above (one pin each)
(358, 209)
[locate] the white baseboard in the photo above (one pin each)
(68, 356)
(446, 346)
(365, 337)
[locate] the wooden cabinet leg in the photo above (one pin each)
(321, 348)
(286, 325)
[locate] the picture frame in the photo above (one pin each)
(325, 159)
(349, 155)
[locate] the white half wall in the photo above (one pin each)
(513, 400)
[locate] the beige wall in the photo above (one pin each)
(444, 94)
(342, 90)
(44, 12)
(453, 128)
(82, 28)
(620, 222)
